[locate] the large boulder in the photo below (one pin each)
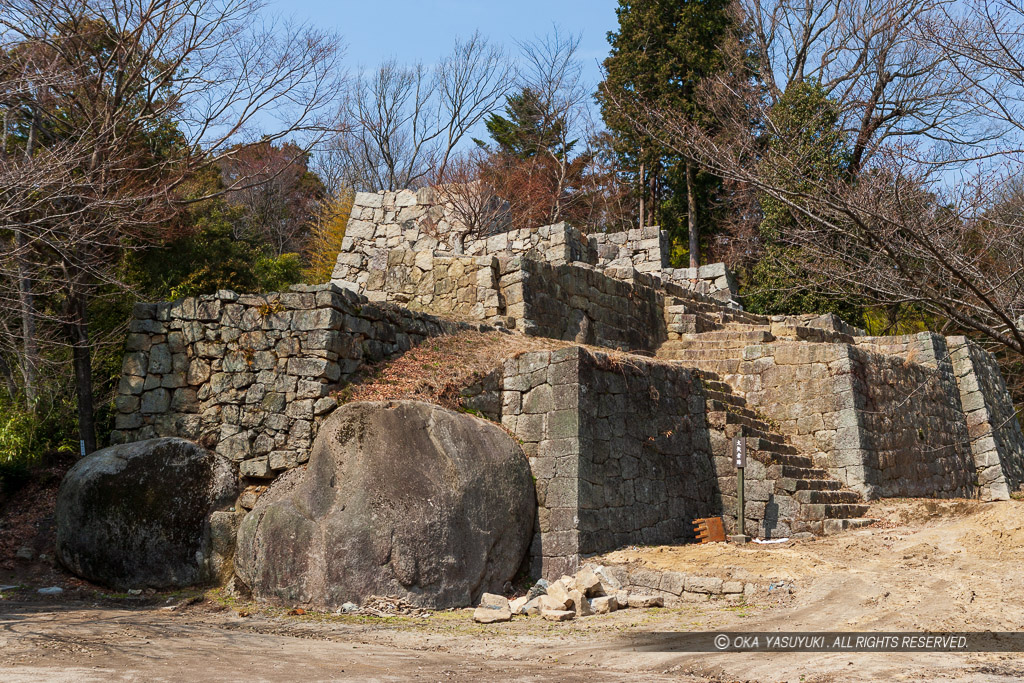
(402, 499)
(137, 515)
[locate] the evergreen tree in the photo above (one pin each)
(660, 54)
(804, 149)
(528, 128)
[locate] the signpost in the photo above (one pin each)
(739, 459)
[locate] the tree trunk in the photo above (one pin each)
(691, 216)
(78, 327)
(643, 193)
(30, 348)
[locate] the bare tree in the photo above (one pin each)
(401, 124)
(874, 58)
(138, 99)
(898, 229)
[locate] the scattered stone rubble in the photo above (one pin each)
(593, 590)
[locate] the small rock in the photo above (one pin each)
(559, 595)
(25, 553)
(609, 584)
(580, 604)
(349, 608)
(516, 606)
(604, 604)
(135, 591)
(492, 601)
(52, 590)
(8, 588)
(546, 602)
(532, 607)
(557, 614)
(538, 589)
(490, 615)
(588, 583)
(622, 598)
(644, 601)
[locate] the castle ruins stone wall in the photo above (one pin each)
(883, 426)
(250, 376)
(420, 221)
(619, 448)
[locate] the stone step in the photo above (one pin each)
(701, 354)
(680, 324)
(839, 510)
(717, 366)
(801, 462)
(835, 526)
(726, 398)
(802, 472)
(817, 484)
(752, 337)
(815, 496)
(704, 345)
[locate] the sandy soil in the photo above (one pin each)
(950, 565)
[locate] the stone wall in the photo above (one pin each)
(250, 375)
(382, 222)
(415, 221)
(619, 449)
(913, 436)
(569, 301)
(581, 304)
(465, 287)
(992, 425)
(883, 426)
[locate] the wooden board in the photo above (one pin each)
(709, 530)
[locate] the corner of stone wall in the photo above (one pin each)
(996, 440)
(540, 406)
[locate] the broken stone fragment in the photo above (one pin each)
(580, 604)
(517, 605)
(644, 601)
(604, 604)
(588, 583)
(491, 615)
(492, 601)
(533, 607)
(549, 602)
(559, 596)
(557, 614)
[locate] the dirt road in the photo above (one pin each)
(953, 565)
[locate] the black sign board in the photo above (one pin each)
(739, 452)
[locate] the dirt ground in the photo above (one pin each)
(935, 565)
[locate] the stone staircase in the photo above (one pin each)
(785, 492)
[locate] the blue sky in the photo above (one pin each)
(410, 31)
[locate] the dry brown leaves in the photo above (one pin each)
(440, 367)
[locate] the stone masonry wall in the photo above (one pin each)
(570, 301)
(881, 425)
(418, 221)
(913, 435)
(992, 425)
(581, 304)
(461, 286)
(647, 471)
(618, 447)
(250, 375)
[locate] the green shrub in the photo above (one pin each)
(26, 437)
